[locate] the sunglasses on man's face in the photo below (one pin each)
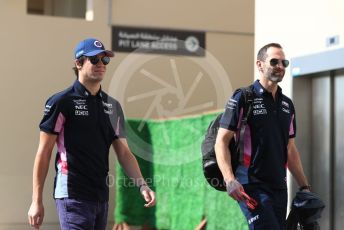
(95, 59)
(274, 62)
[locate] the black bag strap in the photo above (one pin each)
(248, 98)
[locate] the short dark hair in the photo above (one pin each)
(81, 61)
(262, 52)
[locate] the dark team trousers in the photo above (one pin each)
(81, 215)
(270, 214)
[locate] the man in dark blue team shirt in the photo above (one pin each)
(84, 122)
(269, 145)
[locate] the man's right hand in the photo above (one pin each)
(148, 195)
(235, 189)
(36, 215)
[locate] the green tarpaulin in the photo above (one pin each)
(169, 155)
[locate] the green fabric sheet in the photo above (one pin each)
(169, 155)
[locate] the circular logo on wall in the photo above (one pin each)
(158, 88)
(191, 44)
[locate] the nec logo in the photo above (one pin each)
(259, 106)
(83, 107)
(81, 110)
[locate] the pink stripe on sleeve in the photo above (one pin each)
(240, 117)
(117, 128)
(247, 147)
(59, 123)
(291, 127)
(62, 162)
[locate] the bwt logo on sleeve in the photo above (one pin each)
(47, 109)
(253, 219)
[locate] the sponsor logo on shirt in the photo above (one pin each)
(259, 112)
(259, 107)
(258, 100)
(232, 104)
(80, 107)
(285, 107)
(286, 104)
(47, 109)
(285, 110)
(79, 101)
(253, 219)
(108, 108)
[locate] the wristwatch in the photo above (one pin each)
(141, 185)
(303, 187)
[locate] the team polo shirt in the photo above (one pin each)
(270, 125)
(85, 126)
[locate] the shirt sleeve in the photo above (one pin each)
(292, 128)
(233, 112)
(118, 122)
(53, 119)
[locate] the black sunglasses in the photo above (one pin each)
(275, 61)
(95, 59)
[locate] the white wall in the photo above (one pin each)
(222, 15)
(301, 27)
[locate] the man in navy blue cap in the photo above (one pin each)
(84, 122)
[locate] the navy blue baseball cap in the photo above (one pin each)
(90, 47)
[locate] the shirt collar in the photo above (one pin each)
(82, 91)
(261, 90)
